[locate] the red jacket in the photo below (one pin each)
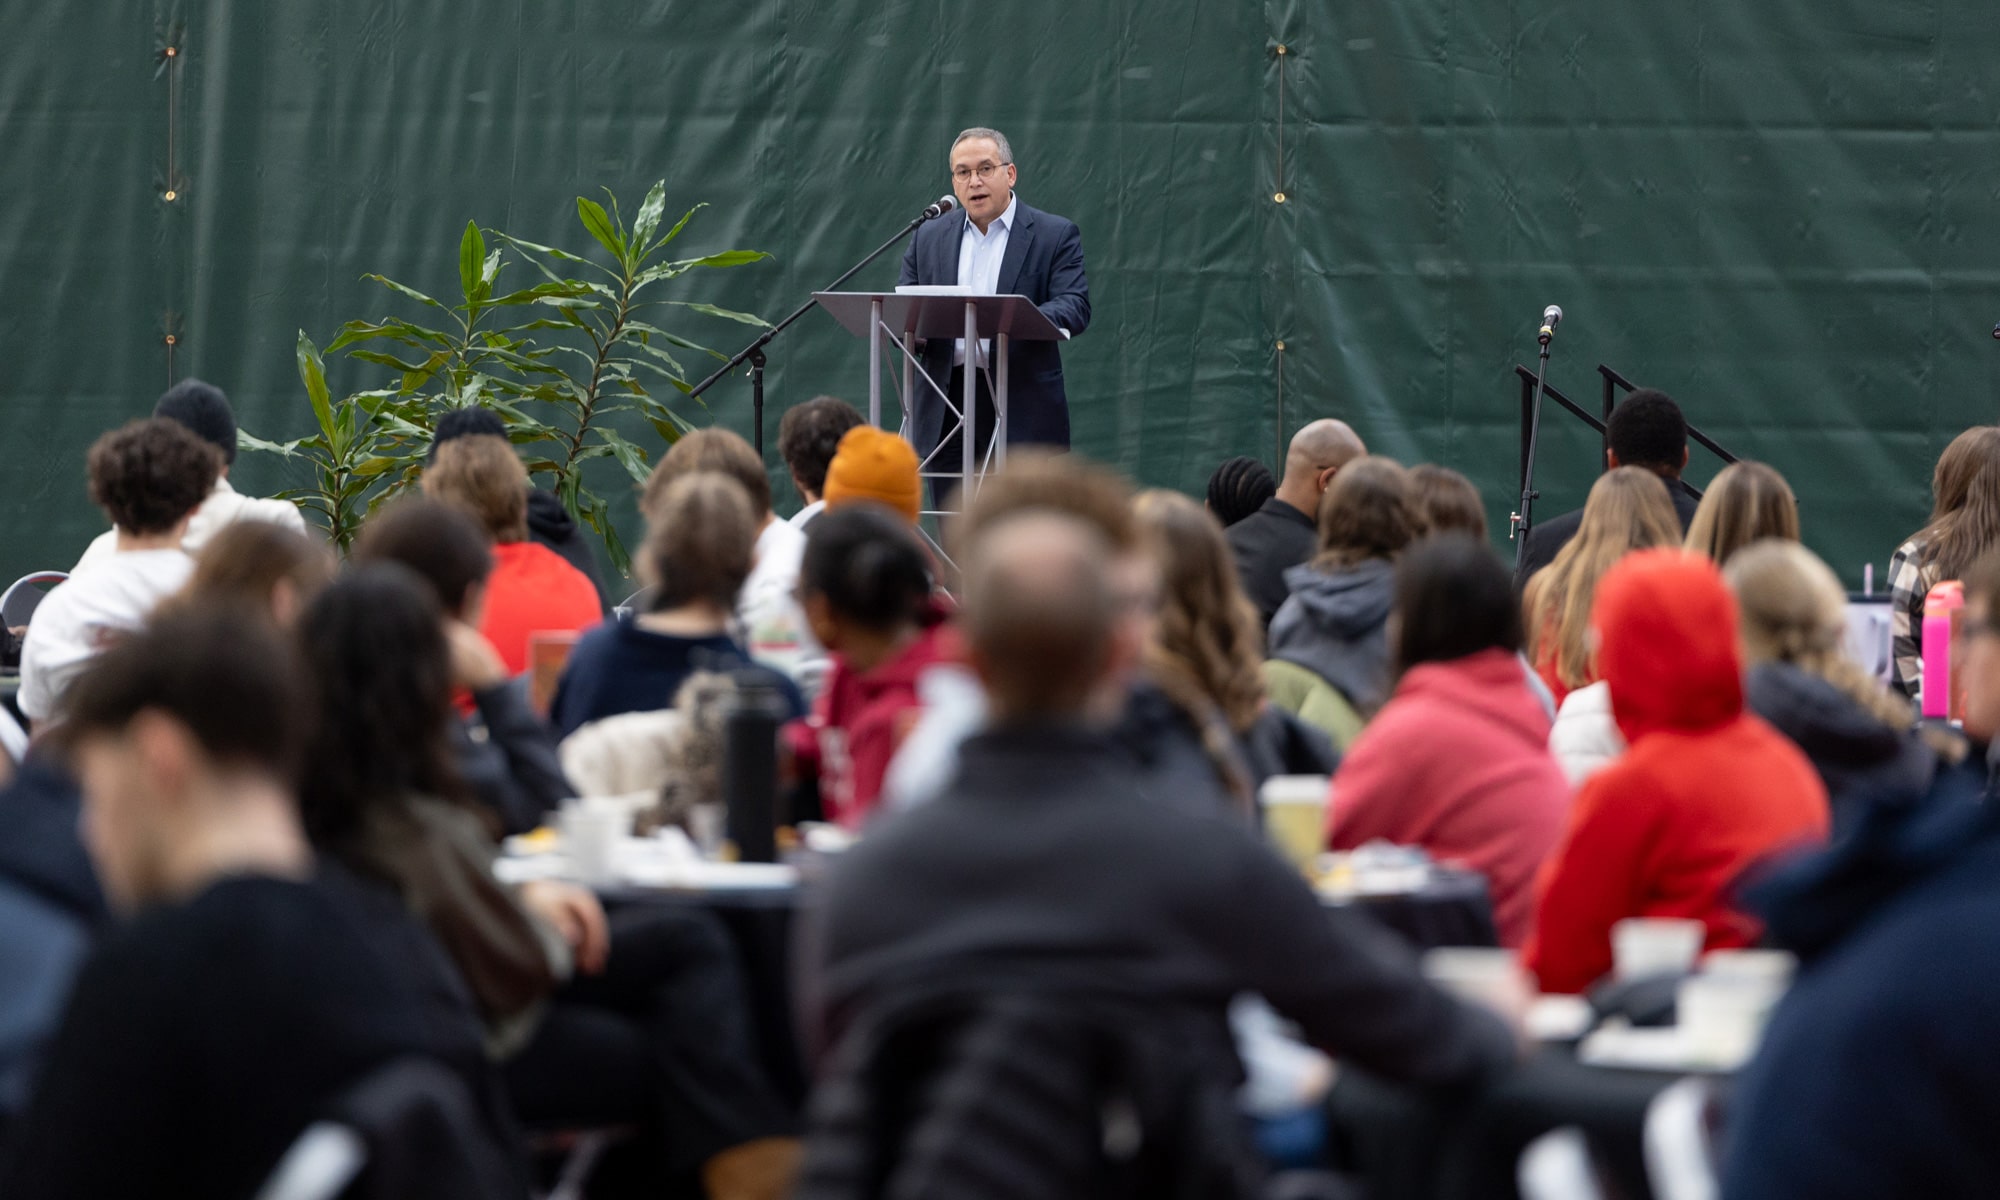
(1458, 762)
(1703, 791)
(533, 590)
(861, 718)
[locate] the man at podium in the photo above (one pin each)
(999, 247)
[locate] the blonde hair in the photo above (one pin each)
(481, 475)
(1628, 510)
(1748, 502)
(1207, 642)
(1794, 611)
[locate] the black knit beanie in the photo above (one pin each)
(202, 408)
(464, 422)
(1238, 488)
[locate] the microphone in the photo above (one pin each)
(945, 204)
(1552, 316)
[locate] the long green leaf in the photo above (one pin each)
(313, 372)
(729, 258)
(406, 290)
(629, 456)
(471, 254)
(650, 212)
(727, 314)
(679, 225)
(402, 331)
(598, 222)
(247, 441)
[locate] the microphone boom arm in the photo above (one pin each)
(754, 352)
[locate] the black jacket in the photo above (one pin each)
(1547, 538)
(1266, 544)
(1861, 760)
(508, 758)
(1045, 866)
(1022, 1094)
(1879, 1074)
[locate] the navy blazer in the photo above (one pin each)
(1044, 262)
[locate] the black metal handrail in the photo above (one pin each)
(1613, 381)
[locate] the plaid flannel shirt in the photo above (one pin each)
(1909, 583)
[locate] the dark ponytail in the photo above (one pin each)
(866, 561)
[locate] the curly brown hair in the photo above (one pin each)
(148, 475)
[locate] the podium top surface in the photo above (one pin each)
(941, 316)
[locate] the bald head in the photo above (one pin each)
(1040, 614)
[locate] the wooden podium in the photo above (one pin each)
(902, 319)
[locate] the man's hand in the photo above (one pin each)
(475, 664)
(576, 915)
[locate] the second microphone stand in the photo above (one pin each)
(1523, 519)
(754, 352)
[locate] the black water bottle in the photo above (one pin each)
(750, 769)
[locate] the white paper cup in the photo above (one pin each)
(1642, 946)
(1481, 975)
(1773, 968)
(1295, 816)
(591, 834)
(1722, 1019)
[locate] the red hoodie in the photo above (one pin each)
(1458, 762)
(1703, 791)
(534, 590)
(860, 719)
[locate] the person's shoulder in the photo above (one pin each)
(277, 512)
(1057, 224)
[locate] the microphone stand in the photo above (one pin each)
(1523, 518)
(754, 352)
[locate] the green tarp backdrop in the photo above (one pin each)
(1784, 213)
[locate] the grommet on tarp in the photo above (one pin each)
(170, 195)
(1277, 196)
(1281, 48)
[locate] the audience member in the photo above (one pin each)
(1704, 792)
(1239, 487)
(259, 565)
(1860, 736)
(1496, 802)
(1050, 878)
(1446, 502)
(549, 522)
(1283, 533)
(878, 467)
(954, 704)
(1335, 624)
(1747, 502)
(702, 531)
(1877, 1073)
(1627, 511)
(1646, 431)
(50, 906)
(867, 589)
(766, 606)
(531, 590)
(148, 476)
(807, 439)
(203, 410)
(636, 1018)
(1200, 698)
(247, 990)
(506, 755)
(1965, 523)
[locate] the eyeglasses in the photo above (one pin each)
(983, 171)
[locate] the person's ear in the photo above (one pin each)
(1684, 457)
(167, 751)
(1611, 458)
(820, 619)
(1325, 478)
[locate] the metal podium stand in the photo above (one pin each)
(904, 319)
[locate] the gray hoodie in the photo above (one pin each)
(1336, 625)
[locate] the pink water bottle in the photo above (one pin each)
(1942, 608)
